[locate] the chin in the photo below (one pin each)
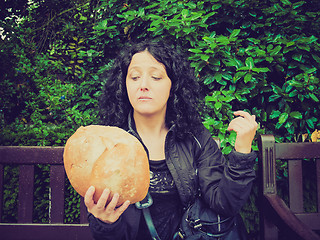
(148, 112)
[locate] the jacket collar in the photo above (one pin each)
(133, 130)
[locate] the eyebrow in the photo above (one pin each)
(152, 67)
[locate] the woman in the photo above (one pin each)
(152, 93)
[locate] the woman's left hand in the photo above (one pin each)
(245, 126)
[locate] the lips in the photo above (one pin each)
(144, 98)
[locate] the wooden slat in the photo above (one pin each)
(298, 150)
(271, 170)
(310, 219)
(1, 190)
(318, 183)
(294, 218)
(31, 155)
(267, 160)
(290, 219)
(83, 212)
(26, 158)
(25, 196)
(57, 179)
(45, 231)
(295, 186)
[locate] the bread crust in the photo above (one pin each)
(107, 157)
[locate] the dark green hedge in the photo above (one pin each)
(261, 56)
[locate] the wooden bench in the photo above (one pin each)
(26, 158)
(274, 213)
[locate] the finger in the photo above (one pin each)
(122, 208)
(103, 199)
(235, 126)
(88, 197)
(245, 115)
(241, 113)
(238, 123)
(113, 203)
(241, 124)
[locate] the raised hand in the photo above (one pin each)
(245, 126)
(108, 213)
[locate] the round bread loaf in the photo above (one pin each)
(107, 157)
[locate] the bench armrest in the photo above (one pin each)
(286, 219)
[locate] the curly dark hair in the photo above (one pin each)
(183, 104)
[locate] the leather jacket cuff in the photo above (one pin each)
(242, 160)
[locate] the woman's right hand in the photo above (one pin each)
(108, 213)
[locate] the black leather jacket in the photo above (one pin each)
(195, 161)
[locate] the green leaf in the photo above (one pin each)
(215, 6)
(289, 44)
(286, 2)
(254, 40)
(269, 59)
(311, 39)
(293, 93)
(208, 80)
(314, 97)
(315, 57)
(249, 62)
(283, 117)
(258, 70)
(275, 51)
(204, 57)
(218, 76)
(223, 40)
(272, 98)
(247, 77)
(297, 57)
(311, 70)
(298, 4)
(235, 33)
(275, 114)
(218, 105)
(239, 75)
(310, 123)
(296, 115)
(243, 69)
(232, 138)
(195, 50)
(269, 47)
(227, 150)
(227, 76)
(83, 18)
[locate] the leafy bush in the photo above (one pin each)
(261, 56)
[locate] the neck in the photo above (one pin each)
(150, 124)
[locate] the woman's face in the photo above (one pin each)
(148, 85)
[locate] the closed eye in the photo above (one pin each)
(156, 78)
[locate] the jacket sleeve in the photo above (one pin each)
(125, 228)
(225, 185)
(104, 231)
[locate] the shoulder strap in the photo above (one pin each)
(151, 227)
(144, 206)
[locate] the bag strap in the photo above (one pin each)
(144, 206)
(151, 227)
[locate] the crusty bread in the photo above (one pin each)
(107, 157)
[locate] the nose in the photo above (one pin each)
(144, 85)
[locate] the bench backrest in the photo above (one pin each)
(295, 154)
(26, 158)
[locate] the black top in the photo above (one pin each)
(166, 211)
(225, 185)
